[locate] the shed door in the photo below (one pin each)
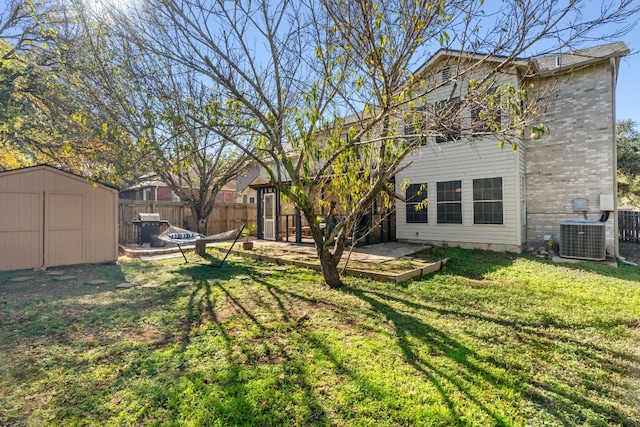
(20, 230)
(64, 229)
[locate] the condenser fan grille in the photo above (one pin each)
(583, 240)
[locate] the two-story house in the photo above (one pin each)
(479, 195)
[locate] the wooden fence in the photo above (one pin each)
(225, 216)
(629, 226)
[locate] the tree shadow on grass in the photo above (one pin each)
(237, 353)
(207, 371)
(229, 388)
(273, 317)
(532, 333)
(325, 351)
(468, 373)
(464, 369)
(288, 375)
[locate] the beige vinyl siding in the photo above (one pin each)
(49, 217)
(462, 161)
(466, 160)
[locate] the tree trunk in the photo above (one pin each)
(329, 268)
(201, 221)
(328, 261)
(202, 225)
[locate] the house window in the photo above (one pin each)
(449, 196)
(487, 201)
(146, 194)
(252, 199)
(416, 209)
(415, 124)
(487, 117)
(448, 117)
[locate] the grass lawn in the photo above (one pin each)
(494, 339)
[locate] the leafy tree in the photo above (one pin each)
(40, 120)
(324, 86)
(628, 141)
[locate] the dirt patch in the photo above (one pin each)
(145, 333)
(54, 284)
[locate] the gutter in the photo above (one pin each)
(616, 231)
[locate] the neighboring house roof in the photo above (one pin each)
(255, 183)
(153, 181)
(247, 177)
(260, 183)
(145, 184)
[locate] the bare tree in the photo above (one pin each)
(158, 113)
(187, 155)
(326, 88)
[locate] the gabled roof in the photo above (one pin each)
(579, 58)
(152, 180)
(543, 65)
(60, 171)
(442, 54)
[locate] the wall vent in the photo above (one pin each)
(583, 239)
(445, 74)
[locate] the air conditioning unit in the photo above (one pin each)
(583, 239)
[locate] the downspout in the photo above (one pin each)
(616, 232)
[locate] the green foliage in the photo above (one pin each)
(628, 145)
(42, 122)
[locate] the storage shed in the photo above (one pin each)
(49, 217)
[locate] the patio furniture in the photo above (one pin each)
(180, 236)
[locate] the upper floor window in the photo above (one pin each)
(448, 120)
(415, 125)
(487, 201)
(416, 208)
(486, 116)
(449, 201)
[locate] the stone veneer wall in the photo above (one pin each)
(576, 158)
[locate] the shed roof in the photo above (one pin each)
(60, 171)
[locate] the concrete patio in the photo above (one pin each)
(368, 260)
(377, 253)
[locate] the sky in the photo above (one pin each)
(628, 88)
